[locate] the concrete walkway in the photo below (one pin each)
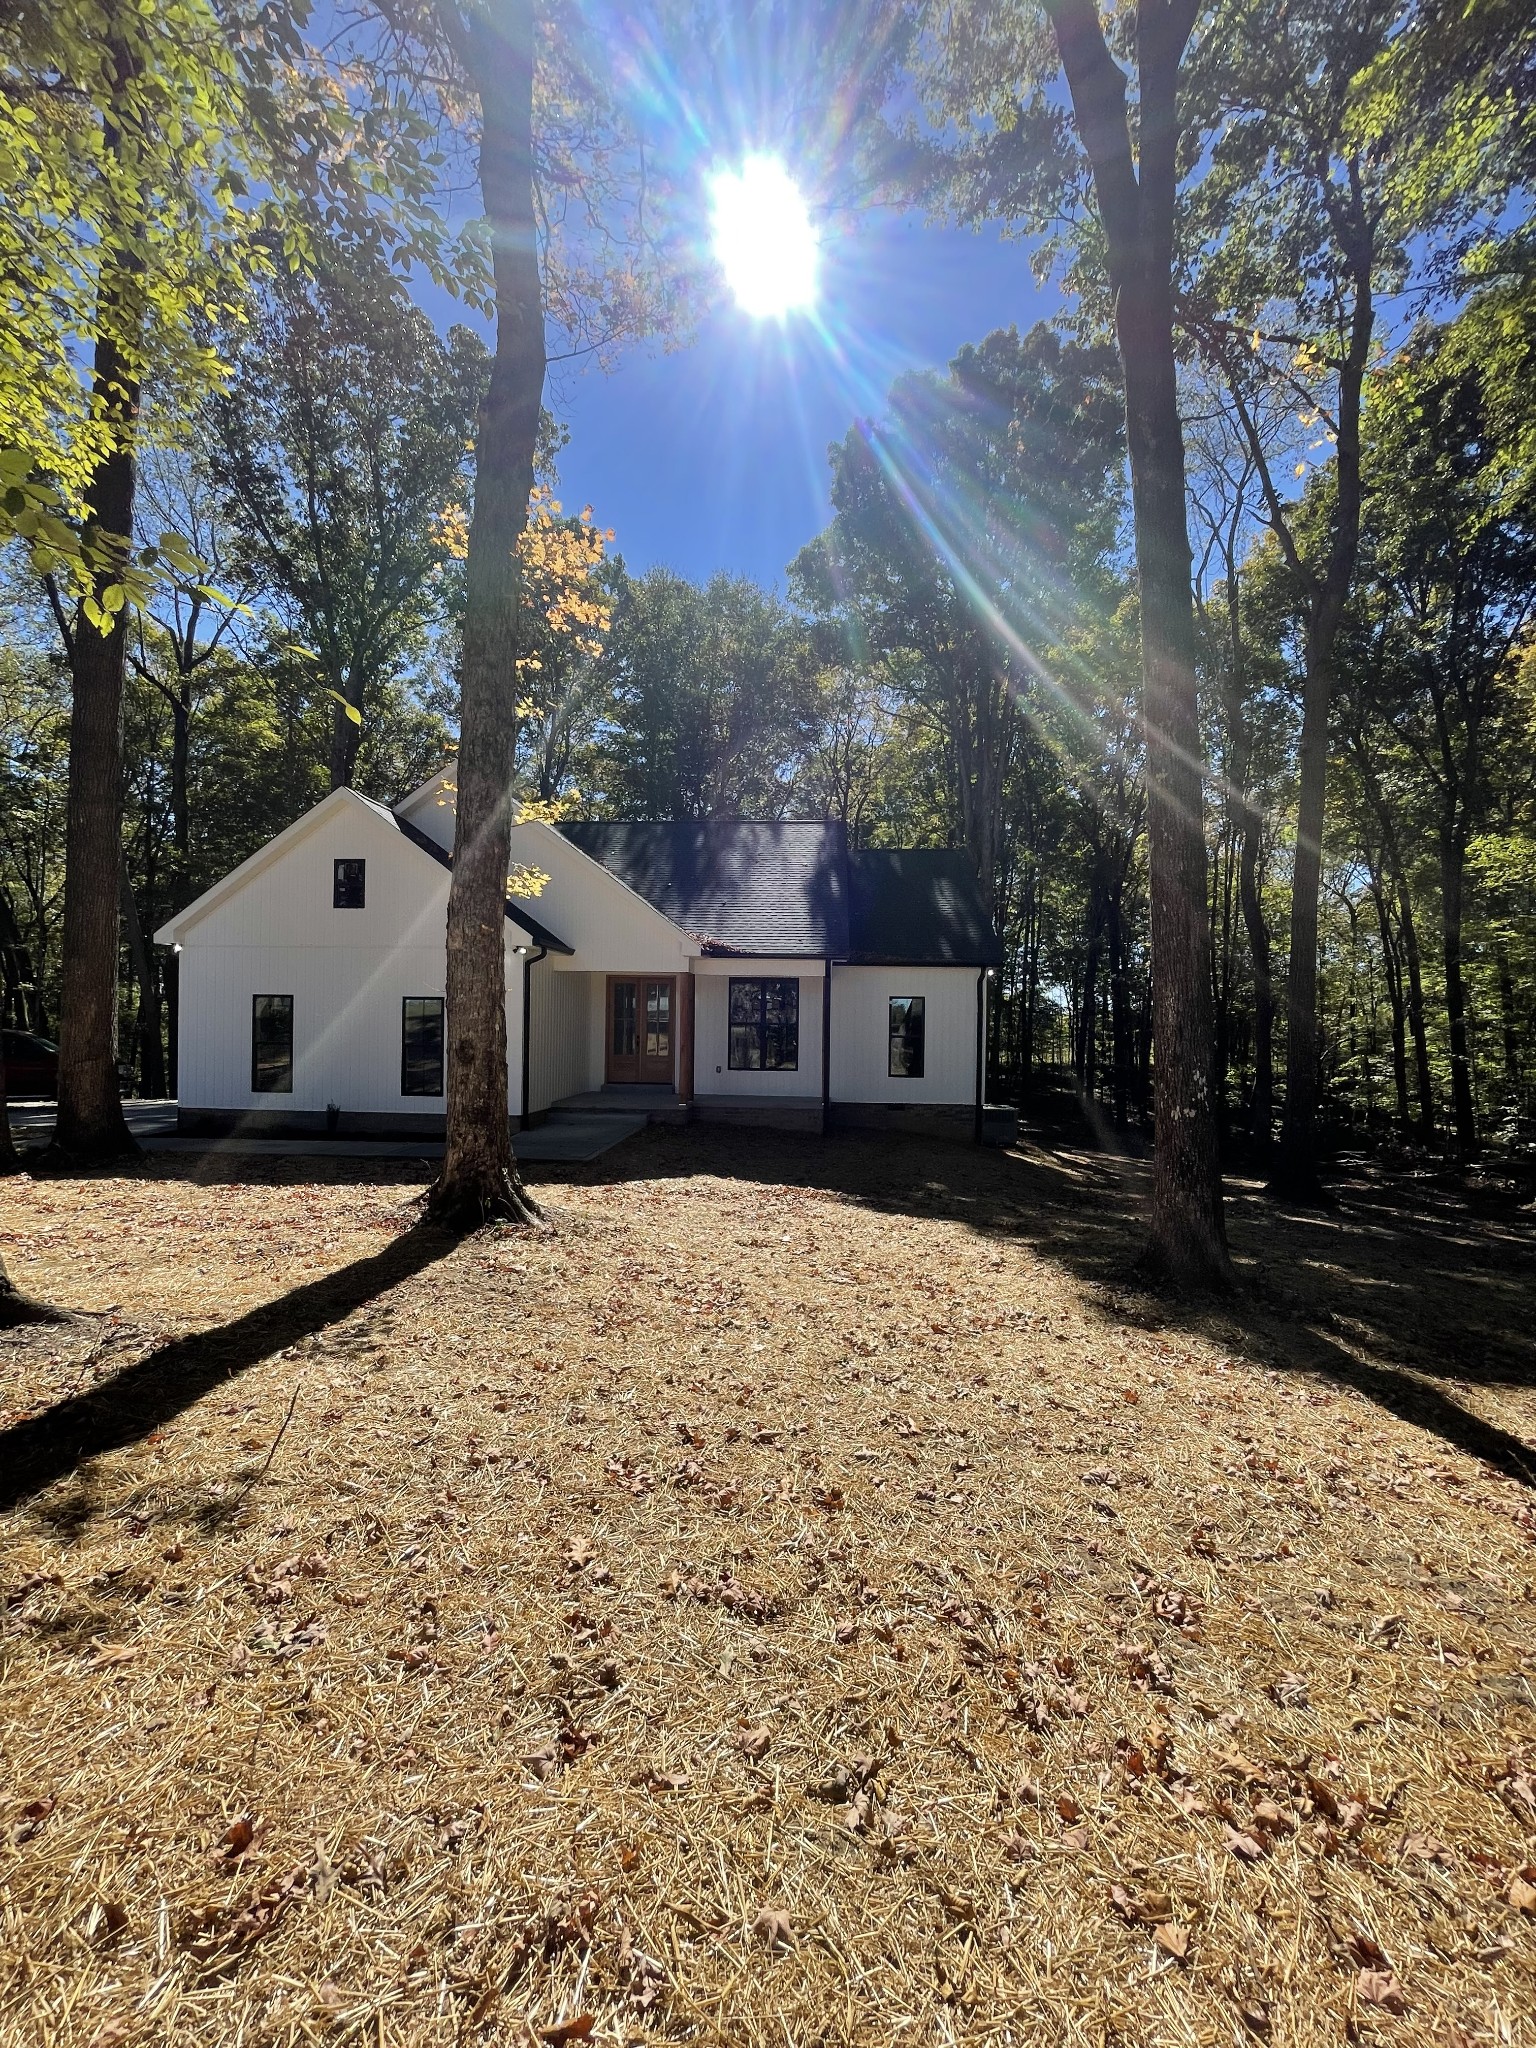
(569, 1138)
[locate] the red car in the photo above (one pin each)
(31, 1065)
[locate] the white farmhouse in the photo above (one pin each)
(723, 969)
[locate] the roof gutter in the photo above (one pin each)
(530, 961)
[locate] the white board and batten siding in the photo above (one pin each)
(861, 1000)
(348, 971)
(712, 1071)
(566, 1051)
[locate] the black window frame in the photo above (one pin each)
(760, 1024)
(917, 1005)
(341, 891)
(428, 1002)
(258, 1085)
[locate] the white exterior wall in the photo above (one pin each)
(347, 971)
(560, 1035)
(861, 1034)
(609, 928)
(712, 1074)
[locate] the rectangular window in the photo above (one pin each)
(272, 1045)
(421, 1045)
(765, 1026)
(347, 890)
(906, 1038)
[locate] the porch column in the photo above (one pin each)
(685, 1038)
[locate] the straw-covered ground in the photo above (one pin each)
(805, 1597)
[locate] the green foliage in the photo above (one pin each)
(158, 160)
(341, 452)
(714, 700)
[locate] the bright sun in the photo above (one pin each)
(764, 241)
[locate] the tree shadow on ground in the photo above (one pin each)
(156, 1388)
(1403, 1292)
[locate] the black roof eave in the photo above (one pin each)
(910, 960)
(540, 934)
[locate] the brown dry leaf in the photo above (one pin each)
(112, 1653)
(111, 2033)
(238, 1839)
(1290, 1690)
(1172, 1939)
(1522, 1893)
(754, 1742)
(579, 1553)
(576, 2029)
(666, 1781)
(331, 1998)
(773, 1928)
(1248, 1848)
(1380, 1987)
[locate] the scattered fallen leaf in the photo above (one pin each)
(754, 1742)
(1290, 1690)
(564, 2031)
(1380, 1987)
(773, 1928)
(1172, 1939)
(1522, 1893)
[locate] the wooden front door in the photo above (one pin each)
(641, 1023)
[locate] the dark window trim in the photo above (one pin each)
(257, 1086)
(890, 1039)
(425, 1094)
(761, 983)
(349, 861)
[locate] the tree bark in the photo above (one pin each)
(1136, 195)
(479, 1177)
(90, 1121)
(1452, 888)
(151, 1045)
(1262, 1114)
(90, 1114)
(1393, 969)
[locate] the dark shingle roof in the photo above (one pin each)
(795, 889)
(734, 884)
(921, 907)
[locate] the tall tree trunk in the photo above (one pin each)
(1119, 1007)
(151, 1045)
(90, 1121)
(479, 1177)
(1509, 1022)
(1296, 1173)
(1452, 888)
(1136, 196)
(1262, 1114)
(346, 734)
(10, 1158)
(1417, 1023)
(90, 1115)
(1393, 969)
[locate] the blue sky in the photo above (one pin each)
(714, 456)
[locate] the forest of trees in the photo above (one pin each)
(968, 654)
(880, 689)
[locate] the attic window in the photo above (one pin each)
(347, 889)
